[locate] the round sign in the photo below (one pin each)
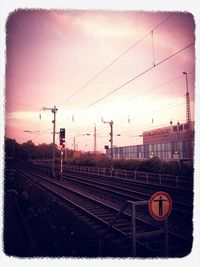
(160, 205)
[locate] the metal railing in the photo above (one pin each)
(175, 181)
(134, 235)
(143, 177)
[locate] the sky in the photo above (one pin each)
(97, 66)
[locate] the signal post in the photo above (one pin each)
(62, 147)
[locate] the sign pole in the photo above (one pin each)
(160, 206)
(166, 238)
(62, 146)
(61, 163)
(133, 231)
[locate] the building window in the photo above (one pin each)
(186, 126)
(180, 127)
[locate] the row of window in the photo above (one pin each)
(160, 138)
(168, 150)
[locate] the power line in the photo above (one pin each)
(153, 88)
(98, 100)
(156, 87)
(135, 118)
(139, 130)
(131, 80)
(116, 59)
(139, 75)
(139, 117)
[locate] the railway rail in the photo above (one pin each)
(131, 189)
(182, 203)
(102, 214)
(168, 181)
(165, 180)
(180, 219)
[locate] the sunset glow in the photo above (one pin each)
(76, 61)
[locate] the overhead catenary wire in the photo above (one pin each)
(137, 131)
(137, 76)
(153, 51)
(130, 80)
(153, 88)
(146, 115)
(116, 59)
(136, 118)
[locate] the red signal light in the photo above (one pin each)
(62, 143)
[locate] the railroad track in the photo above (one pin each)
(181, 203)
(159, 179)
(101, 216)
(139, 179)
(182, 200)
(180, 220)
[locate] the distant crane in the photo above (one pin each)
(188, 112)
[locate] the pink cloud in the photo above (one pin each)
(51, 54)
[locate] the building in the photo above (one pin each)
(179, 132)
(171, 142)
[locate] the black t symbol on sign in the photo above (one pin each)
(160, 205)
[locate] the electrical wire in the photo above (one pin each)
(137, 76)
(117, 58)
(134, 78)
(136, 118)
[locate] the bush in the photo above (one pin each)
(149, 165)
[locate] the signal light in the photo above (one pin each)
(62, 133)
(62, 143)
(62, 137)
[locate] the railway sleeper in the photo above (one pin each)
(122, 224)
(125, 228)
(104, 213)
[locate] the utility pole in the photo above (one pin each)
(53, 110)
(74, 140)
(111, 137)
(74, 143)
(95, 140)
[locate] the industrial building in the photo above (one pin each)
(171, 142)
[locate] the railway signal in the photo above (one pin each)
(62, 138)
(62, 143)
(111, 136)
(62, 133)
(62, 146)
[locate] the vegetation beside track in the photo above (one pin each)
(29, 151)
